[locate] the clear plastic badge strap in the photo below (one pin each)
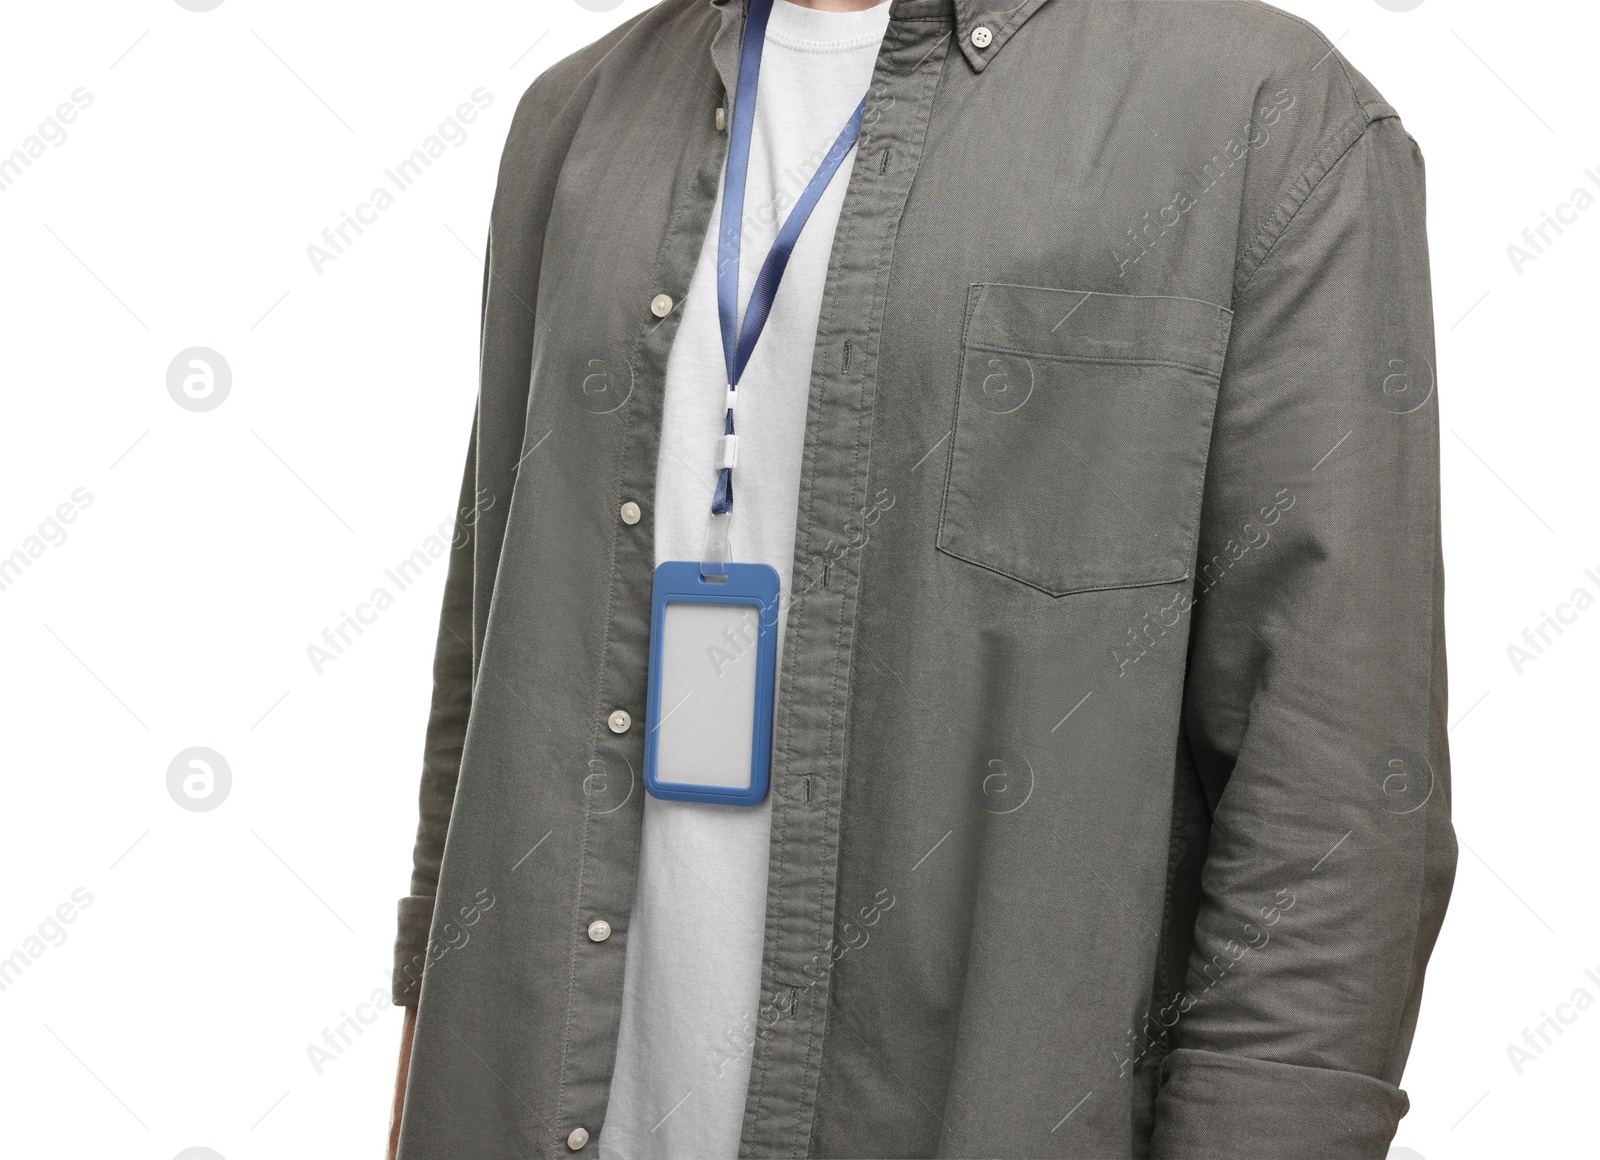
(718, 551)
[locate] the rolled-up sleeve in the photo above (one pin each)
(1315, 699)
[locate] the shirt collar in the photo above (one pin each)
(999, 17)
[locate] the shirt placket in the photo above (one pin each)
(810, 730)
(608, 857)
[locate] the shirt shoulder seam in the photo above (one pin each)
(1349, 133)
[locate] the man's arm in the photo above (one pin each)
(1315, 702)
(441, 759)
(441, 766)
(407, 1032)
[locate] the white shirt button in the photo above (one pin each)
(982, 37)
(599, 930)
(577, 1138)
(722, 119)
(661, 305)
(629, 513)
(619, 721)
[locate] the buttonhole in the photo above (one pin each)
(847, 356)
(827, 570)
(883, 163)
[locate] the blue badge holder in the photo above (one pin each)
(754, 589)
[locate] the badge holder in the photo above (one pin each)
(713, 673)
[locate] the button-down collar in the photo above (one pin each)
(969, 15)
(999, 19)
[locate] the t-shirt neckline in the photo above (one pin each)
(802, 29)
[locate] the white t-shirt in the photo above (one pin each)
(693, 972)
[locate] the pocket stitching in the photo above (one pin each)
(1103, 294)
(974, 292)
(1085, 358)
(1073, 591)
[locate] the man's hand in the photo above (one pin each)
(400, 1081)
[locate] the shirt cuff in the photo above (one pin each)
(411, 948)
(1225, 1105)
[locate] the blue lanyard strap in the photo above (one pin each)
(739, 341)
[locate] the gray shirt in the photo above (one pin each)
(1110, 809)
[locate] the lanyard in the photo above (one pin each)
(739, 341)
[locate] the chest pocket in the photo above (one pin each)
(1082, 426)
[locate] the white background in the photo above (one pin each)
(219, 945)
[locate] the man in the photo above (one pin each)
(1059, 378)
